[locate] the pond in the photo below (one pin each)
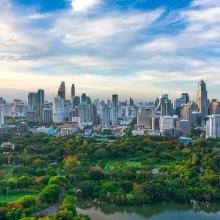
(162, 211)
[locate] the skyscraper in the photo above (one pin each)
(213, 126)
(214, 107)
(114, 100)
(202, 99)
(114, 110)
(40, 97)
(62, 91)
(73, 92)
(145, 117)
(36, 105)
(58, 110)
(106, 116)
(164, 105)
(1, 116)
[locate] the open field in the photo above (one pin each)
(12, 197)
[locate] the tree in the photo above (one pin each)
(27, 202)
(67, 210)
(50, 193)
(71, 162)
(23, 182)
(96, 173)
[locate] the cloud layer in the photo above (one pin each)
(106, 49)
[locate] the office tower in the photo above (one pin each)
(167, 123)
(115, 99)
(131, 102)
(73, 92)
(35, 106)
(184, 126)
(47, 115)
(196, 119)
(62, 91)
(32, 101)
(58, 110)
(185, 95)
(106, 116)
(76, 101)
(83, 98)
(164, 105)
(214, 107)
(40, 95)
(85, 109)
(213, 126)
(145, 118)
(19, 110)
(187, 109)
(202, 100)
(82, 113)
(69, 111)
(178, 103)
(114, 110)
(2, 121)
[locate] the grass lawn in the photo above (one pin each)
(131, 163)
(150, 163)
(12, 197)
(8, 171)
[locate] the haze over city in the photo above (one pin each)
(138, 48)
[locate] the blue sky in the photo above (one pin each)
(138, 48)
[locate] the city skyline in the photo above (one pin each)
(67, 87)
(107, 47)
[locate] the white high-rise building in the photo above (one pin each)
(2, 121)
(166, 123)
(213, 126)
(58, 110)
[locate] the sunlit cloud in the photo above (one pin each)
(108, 51)
(83, 5)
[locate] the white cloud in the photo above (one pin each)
(110, 52)
(80, 30)
(84, 5)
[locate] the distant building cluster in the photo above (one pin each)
(180, 117)
(162, 117)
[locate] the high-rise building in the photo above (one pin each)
(62, 91)
(47, 115)
(32, 101)
(35, 106)
(164, 105)
(214, 107)
(40, 95)
(106, 116)
(187, 109)
(114, 110)
(73, 92)
(202, 99)
(76, 101)
(2, 121)
(167, 123)
(185, 95)
(114, 99)
(196, 119)
(178, 103)
(145, 118)
(213, 126)
(58, 110)
(184, 126)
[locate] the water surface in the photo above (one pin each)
(162, 211)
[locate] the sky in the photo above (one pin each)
(136, 48)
